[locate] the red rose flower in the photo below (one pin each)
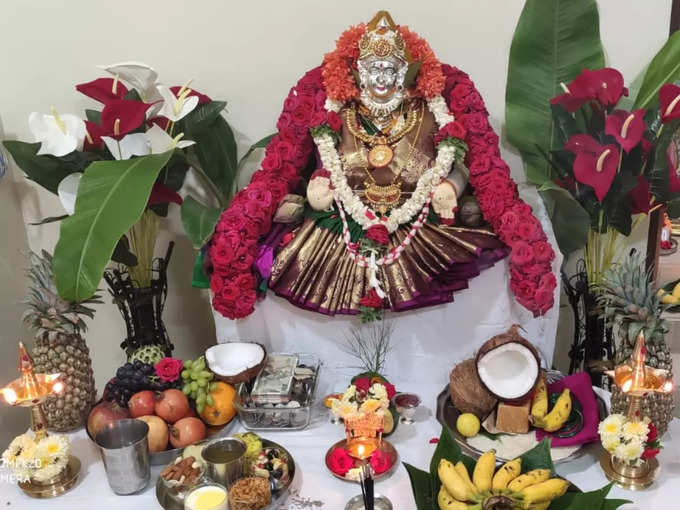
(509, 222)
(340, 461)
(530, 229)
(652, 432)
(318, 119)
(526, 289)
(371, 300)
(480, 165)
(475, 122)
(649, 453)
(391, 390)
(362, 384)
(168, 369)
(272, 161)
(543, 252)
(544, 299)
(334, 121)
(522, 253)
(379, 234)
(380, 461)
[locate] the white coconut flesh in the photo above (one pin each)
(232, 358)
(508, 371)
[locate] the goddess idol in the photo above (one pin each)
(383, 189)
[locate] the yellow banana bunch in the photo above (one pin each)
(533, 490)
(559, 414)
(539, 405)
(507, 473)
(483, 473)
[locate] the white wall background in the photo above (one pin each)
(248, 53)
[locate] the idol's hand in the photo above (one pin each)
(445, 201)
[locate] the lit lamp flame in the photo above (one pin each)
(9, 395)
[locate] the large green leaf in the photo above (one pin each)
(553, 42)
(664, 68)
(199, 221)
(421, 487)
(260, 144)
(570, 220)
(112, 196)
(46, 170)
(203, 117)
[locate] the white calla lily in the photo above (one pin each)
(68, 190)
(160, 141)
(176, 107)
(134, 144)
(58, 134)
(138, 75)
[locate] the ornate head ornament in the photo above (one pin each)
(382, 64)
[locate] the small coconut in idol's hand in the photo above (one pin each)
(467, 425)
(508, 366)
(468, 394)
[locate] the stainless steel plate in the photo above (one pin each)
(447, 414)
(170, 500)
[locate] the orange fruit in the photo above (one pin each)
(223, 410)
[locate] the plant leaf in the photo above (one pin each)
(203, 116)
(664, 68)
(94, 116)
(45, 170)
(538, 457)
(111, 197)
(200, 280)
(215, 149)
(570, 220)
(553, 42)
(412, 73)
(199, 221)
(421, 486)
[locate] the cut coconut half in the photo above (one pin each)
(235, 362)
(508, 366)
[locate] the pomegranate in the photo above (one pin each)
(158, 433)
(104, 413)
(141, 403)
(186, 431)
(190, 413)
(171, 405)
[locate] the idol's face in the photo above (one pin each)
(382, 78)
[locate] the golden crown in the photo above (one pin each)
(382, 39)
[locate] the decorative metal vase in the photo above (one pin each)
(142, 307)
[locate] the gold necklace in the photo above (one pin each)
(383, 198)
(380, 153)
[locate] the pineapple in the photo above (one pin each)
(630, 302)
(59, 346)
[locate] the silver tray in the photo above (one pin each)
(447, 414)
(170, 501)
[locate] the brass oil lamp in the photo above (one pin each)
(30, 390)
(636, 380)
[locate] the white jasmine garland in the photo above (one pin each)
(361, 213)
(331, 105)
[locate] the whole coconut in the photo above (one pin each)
(467, 393)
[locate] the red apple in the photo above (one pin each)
(158, 433)
(141, 403)
(104, 413)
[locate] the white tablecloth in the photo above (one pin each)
(313, 481)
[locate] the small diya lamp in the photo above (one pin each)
(30, 390)
(364, 433)
(636, 380)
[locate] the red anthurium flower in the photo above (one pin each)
(640, 196)
(604, 85)
(161, 194)
(119, 117)
(672, 158)
(161, 122)
(202, 98)
(103, 89)
(626, 127)
(595, 164)
(669, 102)
(93, 136)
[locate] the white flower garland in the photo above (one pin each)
(421, 196)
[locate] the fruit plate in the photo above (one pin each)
(512, 445)
(385, 447)
(166, 456)
(171, 500)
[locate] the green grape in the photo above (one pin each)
(199, 408)
(194, 376)
(209, 400)
(185, 374)
(202, 383)
(188, 364)
(186, 389)
(200, 399)
(213, 386)
(194, 386)
(205, 374)
(200, 363)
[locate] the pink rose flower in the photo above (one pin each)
(522, 253)
(168, 369)
(380, 461)
(379, 234)
(340, 461)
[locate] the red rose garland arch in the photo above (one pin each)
(234, 246)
